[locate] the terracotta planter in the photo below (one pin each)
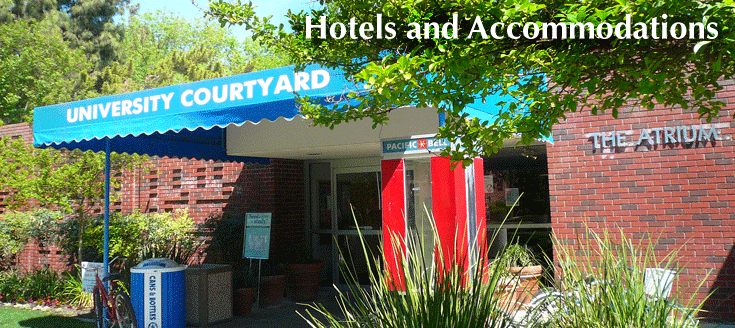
(302, 281)
(519, 288)
(272, 289)
(533, 270)
(243, 301)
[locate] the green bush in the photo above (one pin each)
(516, 255)
(17, 228)
(12, 285)
(141, 236)
(41, 285)
(618, 299)
(13, 239)
(171, 235)
(441, 295)
(73, 292)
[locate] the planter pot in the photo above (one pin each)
(519, 288)
(302, 281)
(528, 280)
(272, 289)
(243, 301)
(531, 271)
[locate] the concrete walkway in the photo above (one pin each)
(285, 315)
(717, 324)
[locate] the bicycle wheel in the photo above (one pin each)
(124, 310)
(503, 320)
(543, 306)
(98, 311)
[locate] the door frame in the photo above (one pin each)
(335, 232)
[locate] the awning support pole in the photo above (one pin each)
(106, 245)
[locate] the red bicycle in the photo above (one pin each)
(115, 301)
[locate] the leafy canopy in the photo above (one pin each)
(37, 67)
(72, 182)
(161, 49)
(86, 24)
(547, 78)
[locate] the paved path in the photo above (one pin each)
(283, 316)
(286, 316)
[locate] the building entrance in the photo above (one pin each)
(345, 200)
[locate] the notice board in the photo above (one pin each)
(257, 237)
(89, 271)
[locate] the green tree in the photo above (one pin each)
(85, 24)
(547, 78)
(37, 68)
(72, 182)
(164, 49)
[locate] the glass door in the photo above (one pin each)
(418, 208)
(320, 189)
(357, 205)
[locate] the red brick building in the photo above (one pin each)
(675, 185)
(662, 172)
(206, 188)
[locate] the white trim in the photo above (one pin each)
(161, 270)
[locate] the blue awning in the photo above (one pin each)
(189, 120)
(186, 120)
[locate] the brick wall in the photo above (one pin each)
(682, 192)
(20, 130)
(34, 255)
(208, 189)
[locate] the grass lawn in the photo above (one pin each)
(12, 318)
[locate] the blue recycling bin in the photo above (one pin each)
(158, 288)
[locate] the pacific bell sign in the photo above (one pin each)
(414, 145)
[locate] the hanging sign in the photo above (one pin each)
(423, 144)
(257, 236)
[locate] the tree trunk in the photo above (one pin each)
(80, 239)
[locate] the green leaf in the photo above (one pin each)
(699, 45)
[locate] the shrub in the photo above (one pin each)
(42, 285)
(17, 228)
(441, 295)
(73, 292)
(618, 298)
(141, 236)
(516, 255)
(171, 235)
(13, 239)
(11, 285)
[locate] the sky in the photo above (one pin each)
(185, 8)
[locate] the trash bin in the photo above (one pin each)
(208, 294)
(158, 293)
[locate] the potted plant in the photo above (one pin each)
(523, 273)
(303, 276)
(272, 284)
(244, 283)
